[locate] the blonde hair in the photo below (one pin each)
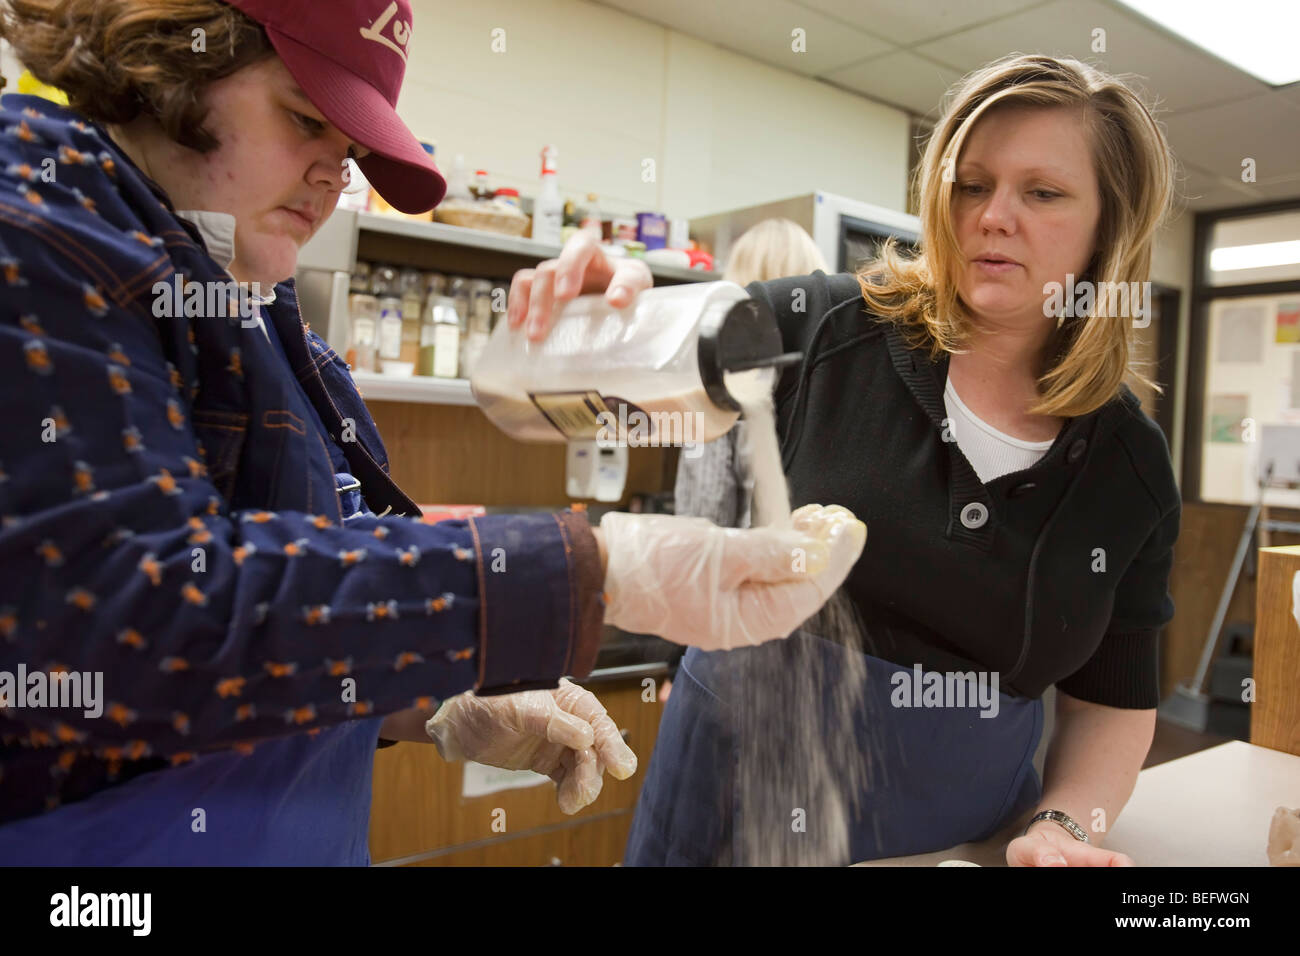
(773, 249)
(1086, 360)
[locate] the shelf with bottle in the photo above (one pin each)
(524, 249)
(406, 325)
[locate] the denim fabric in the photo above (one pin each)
(936, 776)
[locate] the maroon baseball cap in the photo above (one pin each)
(349, 57)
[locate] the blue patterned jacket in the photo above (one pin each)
(170, 516)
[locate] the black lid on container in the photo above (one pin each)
(746, 336)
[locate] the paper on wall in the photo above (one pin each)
(1288, 323)
(1227, 412)
(1240, 334)
(1294, 397)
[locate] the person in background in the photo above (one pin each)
(717, 484)
(195, 505)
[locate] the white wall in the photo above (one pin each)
(612, 91)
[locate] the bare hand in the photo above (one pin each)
(1046, 844)
(581, 268)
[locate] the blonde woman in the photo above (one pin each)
(1022, 507)
(717, 483)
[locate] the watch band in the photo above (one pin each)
(1064, 820)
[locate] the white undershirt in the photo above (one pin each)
(992, 453)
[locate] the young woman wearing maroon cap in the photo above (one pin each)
(180, 513)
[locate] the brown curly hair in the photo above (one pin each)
(118, 59)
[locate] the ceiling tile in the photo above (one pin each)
(906, 22)
(1176, 74)
(764, 30)
(1201, 190)
(901, 79)
(1217, 139)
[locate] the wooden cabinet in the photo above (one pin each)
(590, 842)
(419, 815)
(1275, 713)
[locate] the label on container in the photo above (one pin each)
(479, 780)
(446, 351)
(574, 414)
(390, 336)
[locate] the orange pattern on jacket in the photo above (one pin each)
(118, 381)
(150, 565)
(83, 478)
(405, 658)
(67, 734)
(230, 686)
(316, 614)
(301, 715)
(38, 358)
(69, 155)
(120, 714)
(94, 301)
(81, 599)
(166, 483)
(50, 552)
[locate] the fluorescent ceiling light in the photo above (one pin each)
(1257, 256)
(1258, 36)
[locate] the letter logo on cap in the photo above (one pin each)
(401, 32)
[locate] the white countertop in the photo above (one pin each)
(1211, 808)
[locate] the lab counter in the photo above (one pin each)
(1210, 809)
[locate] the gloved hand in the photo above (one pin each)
(692, 582)
(562, 733)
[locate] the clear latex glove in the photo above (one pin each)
(563, 733)
(694, 583)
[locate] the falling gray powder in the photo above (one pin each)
(798, 706)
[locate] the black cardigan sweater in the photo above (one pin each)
(1064, 582)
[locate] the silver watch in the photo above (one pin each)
(1064, 819)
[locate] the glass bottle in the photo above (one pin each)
(363, 338)
(411, 283)
(383, 281)
(440, 338)
(390, 328)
